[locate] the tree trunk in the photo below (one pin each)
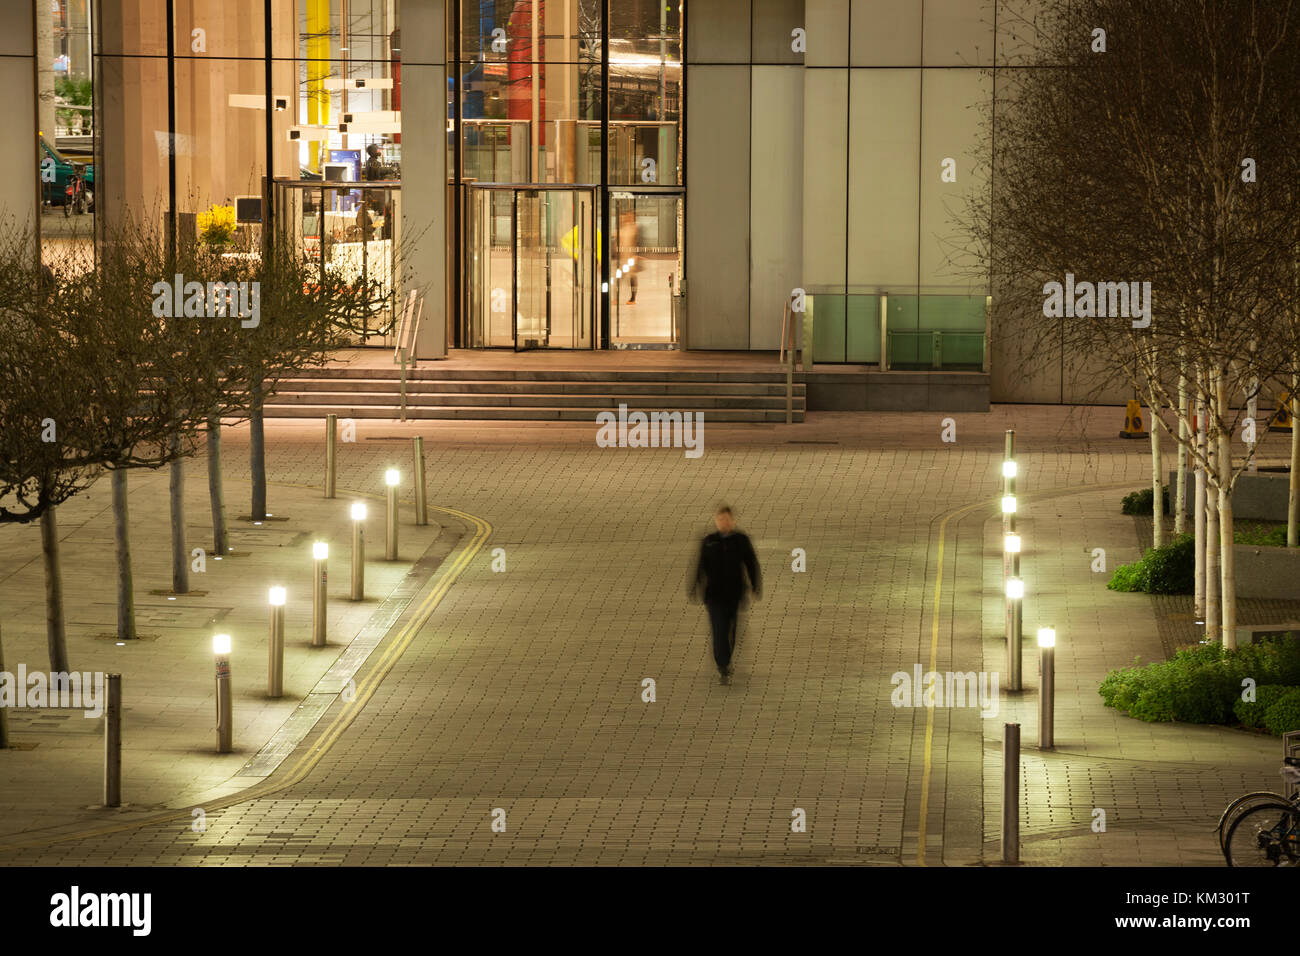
(257, 451)
(55, 633)
(176, 490)
(1180, 482)
(215, 493)
(1293, 498)
(1227, 562)
(1157, 486)
(1213, 623)
(1198, 515)
(122, 537)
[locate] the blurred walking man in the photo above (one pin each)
(728, 568)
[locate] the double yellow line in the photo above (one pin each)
(330, 736)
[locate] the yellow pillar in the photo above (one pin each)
(318, 68)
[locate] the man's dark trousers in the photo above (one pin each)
(722, 617)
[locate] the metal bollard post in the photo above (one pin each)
(331, 435)
(1046, 688)
(113, 742)
(421, 503)
(1010, 793)
(225, 730)
(358, 551)
(4, 714)
(1015, 604)
(391, 479)
(320, 552)
(275, 648)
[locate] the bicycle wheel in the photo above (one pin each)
(1267, 835)
(1240, 805)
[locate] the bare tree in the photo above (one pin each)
(1151, 147)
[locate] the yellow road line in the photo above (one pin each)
(378, 671)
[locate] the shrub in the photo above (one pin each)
(1203, 684)
(1168, 569)
(1284, 715)
(1261, 534)
(1251, 713)
(1139, 502)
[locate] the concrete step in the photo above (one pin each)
(432, 372)
(505, 413)
(506, 387)
(598, 402)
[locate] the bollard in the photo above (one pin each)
(320, 552)
(275, 651)
(4, 713)
(1008, 474)
(1015, 601)
(1010, 793)
(331, 435)
(358, 551)
(421, 503)
(225, 730)
(113, 742)
(391, 478)
(1046, 688)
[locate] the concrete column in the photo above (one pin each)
(18, 164)
(44, 65)
(424, 168)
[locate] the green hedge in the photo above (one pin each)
(1203, 684)
(1139, 502)
(1168, 569)
(1284, 715)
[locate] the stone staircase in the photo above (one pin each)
(533, 394)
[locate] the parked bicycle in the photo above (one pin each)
(75, 193)
(1263, 828)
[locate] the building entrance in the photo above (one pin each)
(532, 275)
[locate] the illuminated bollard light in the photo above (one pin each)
(391, 479)
(225, 728)
(275, 649)
(320, 552)
(358, 550)
(1015, 600)
(1046, 688)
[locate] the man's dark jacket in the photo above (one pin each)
(723, 564)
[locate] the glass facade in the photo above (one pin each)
(553, 94)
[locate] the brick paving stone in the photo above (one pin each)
(523, 689)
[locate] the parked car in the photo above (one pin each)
(65, 173)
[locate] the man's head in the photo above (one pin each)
(373, 150)
(723, 519)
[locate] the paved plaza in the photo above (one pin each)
(498, 710)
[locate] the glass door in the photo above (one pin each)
(491, 292)
(531, 267)
(646, 270)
